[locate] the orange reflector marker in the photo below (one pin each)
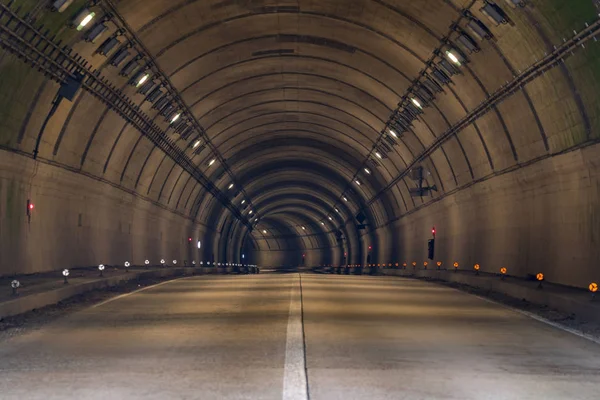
(593, 287)
(503, 271)
(540, 277)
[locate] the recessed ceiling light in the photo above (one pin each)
(416, 102)
(211, 162)
(368, 171)
(231, 186)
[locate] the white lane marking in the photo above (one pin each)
(543, 320)
(294, 374)
(136, 291)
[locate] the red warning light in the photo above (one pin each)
(189, 239)
(433, 231)
(370, 247)
(31, 206)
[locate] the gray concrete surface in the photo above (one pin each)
(50, 289)
(365, 338)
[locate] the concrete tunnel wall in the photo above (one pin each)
(516, 188)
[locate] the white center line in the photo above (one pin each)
(294, 375)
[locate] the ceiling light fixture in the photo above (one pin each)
(142, 80)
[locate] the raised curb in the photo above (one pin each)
(34, 301)
(577, 304)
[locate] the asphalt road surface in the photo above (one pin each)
(294, 336)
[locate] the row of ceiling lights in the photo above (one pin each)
(421, 93)
(143, 75)
(434, 77)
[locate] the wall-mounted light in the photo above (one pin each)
(120, 56)
(265, 231)
(495, 13)
(468, 43)
(175, 118)
(101, 269)
(83, 19)
(65, 276)
(146, 87)
(441, 76)
(345, 198)
(250, 212)
(455, 56)
(230, 186)
(107, 46)
(357, 182)
(154, 94)
(303, 228)
(479, 29)
(129, 68)
(211, 162)
(368, 171)
(244, 201)
(417, 103)
(322, 223)
(94, 33)
(393, 133)
(140, 78)
(331, 219)
(61, 5)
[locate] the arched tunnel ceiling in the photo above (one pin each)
(295, 99)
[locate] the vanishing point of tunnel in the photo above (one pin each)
(299, 199)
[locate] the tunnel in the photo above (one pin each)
(392, 141)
